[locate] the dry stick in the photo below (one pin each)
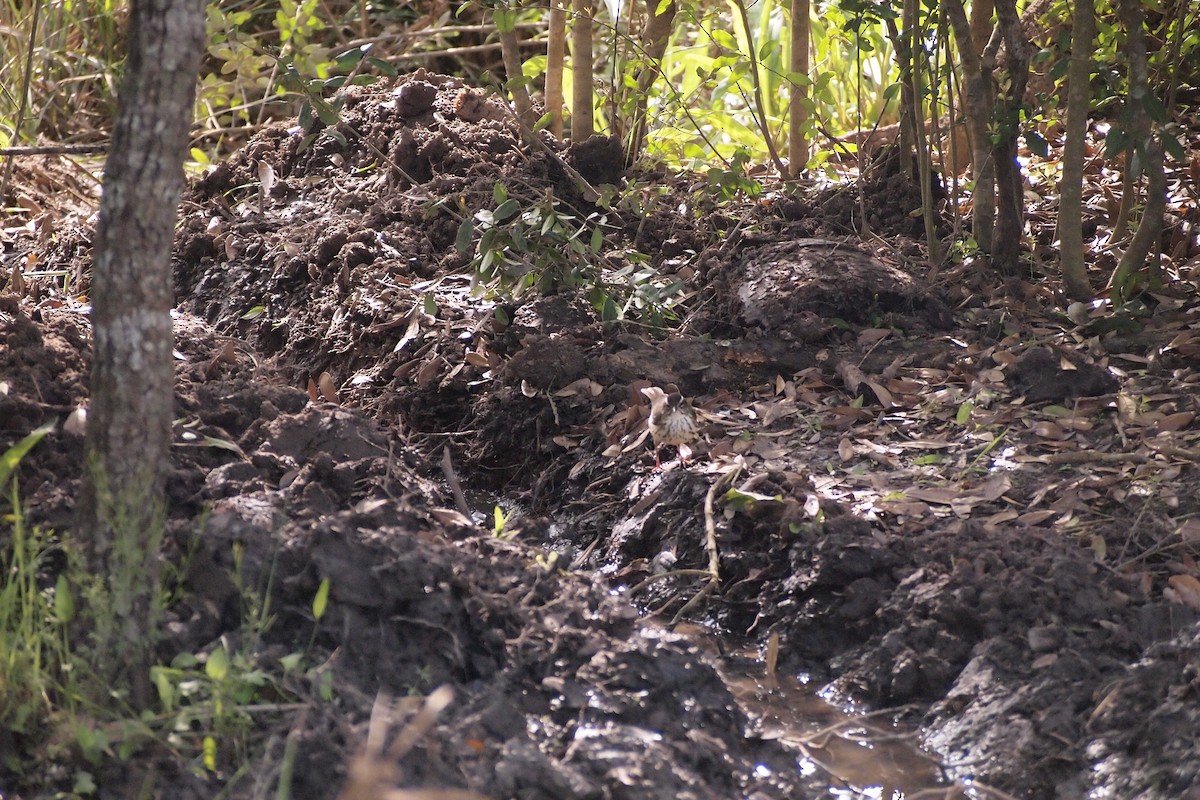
(372, 777)
(53, 150)
(710, 543)
(465, 50)
(460, 499)
(402, 37)
(25, 81)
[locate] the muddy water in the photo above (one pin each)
(855, 754)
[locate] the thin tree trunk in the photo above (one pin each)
(798, 96)
(1124, 282)
(510, 50)
(977, 86)
(122, 503)
(582, 126)
(1070, 189)
(655, 37)
(556, 47)
(1010, 210)
(914, 37)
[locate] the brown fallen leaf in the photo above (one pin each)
(1183, 589)
(328, 389)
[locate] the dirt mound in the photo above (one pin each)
(886, 491)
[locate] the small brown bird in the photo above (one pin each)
(672, 420)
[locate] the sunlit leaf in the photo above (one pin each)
(321, 601)
(217, 665)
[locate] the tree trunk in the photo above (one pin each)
(582, 126)
(510, 50)
(1070, 190)
(656, 35)
(978, 90)
(1010, 203)
(122, 503)
(556, 48)
(1148, 145)
(798, 93)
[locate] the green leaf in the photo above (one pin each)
(383, 66)
(964, 413)
(210, 753)
(13, 455)
(217, 666)
(254, 313)
(84, 783)
(184, 660)
(327, 113)
(349, 59)
(499, 193)
(505, 19)
(64, 602)
(724, 39)
(741, 500)
(1115, 142)
(1036, 144)
(466, 232)
(164, 687)
(506, 209)
(1155, 108)
(321, 601)
(1173, 146)
(609, 312)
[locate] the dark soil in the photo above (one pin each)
(949, 500)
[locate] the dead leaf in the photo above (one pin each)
(313, 395)
(869, 337)
(582, 386)
(451, 517)
(852, 377)
(1048, 430)
(476, 359)
(428, 371)
(1174, 422)
(1183, 589)
(882, 394)
(1127, 407)
(328, 389)
(76, 422)
(414, 328)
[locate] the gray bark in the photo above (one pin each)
(121, 507)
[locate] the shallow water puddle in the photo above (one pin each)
(857, 755)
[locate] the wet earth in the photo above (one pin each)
(937, 501)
